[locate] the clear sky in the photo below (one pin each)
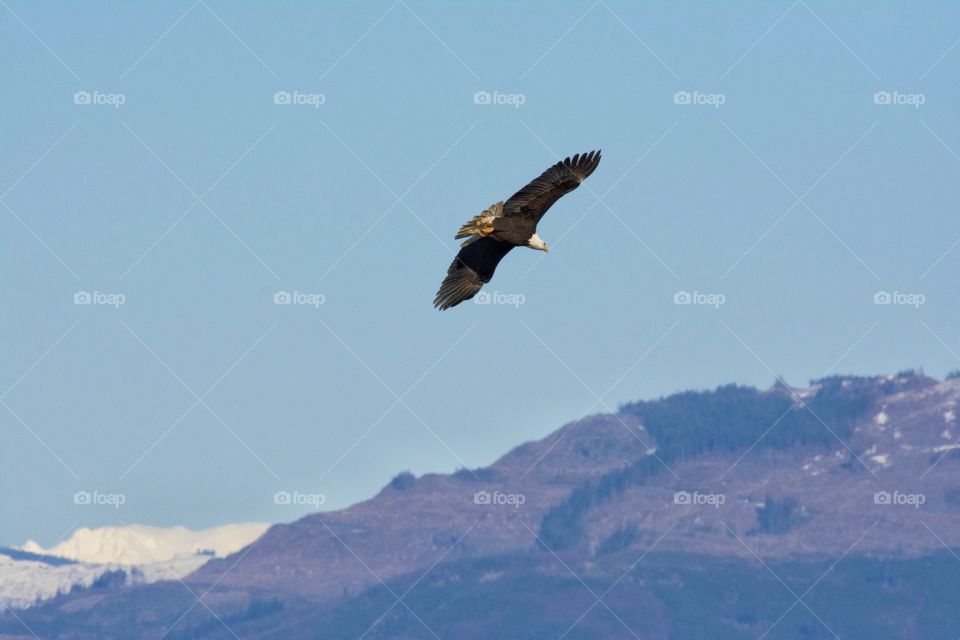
(179, 186)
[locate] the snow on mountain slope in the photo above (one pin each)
(143, 553)
(140, 544)
(26, 581)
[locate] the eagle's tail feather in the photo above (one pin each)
(481, 224)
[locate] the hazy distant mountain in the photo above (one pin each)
(732, 513)
(140, 544)
(137, 554)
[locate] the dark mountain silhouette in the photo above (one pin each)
(732, 513)
(19, 554)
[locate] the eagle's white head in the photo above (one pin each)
(536, 242)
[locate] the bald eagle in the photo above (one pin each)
(492, 233)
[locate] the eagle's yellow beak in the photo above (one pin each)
(546, 249)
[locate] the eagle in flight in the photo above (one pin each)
(491, 234)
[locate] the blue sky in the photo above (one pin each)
(784, 187)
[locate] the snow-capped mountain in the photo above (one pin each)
(138, 544)
(143, 554)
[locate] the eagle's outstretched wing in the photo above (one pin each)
(534, 199)
(470, 270)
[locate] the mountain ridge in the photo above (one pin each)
(717, 482)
